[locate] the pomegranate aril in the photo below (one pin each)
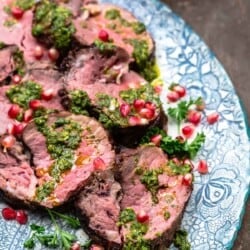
(18, 129)
(28, 115)
(194, 117)
(156, 139)
(17, 12)
(139, 104)
(53, 54)
(14, 111)
(99, 164)
(38, 52)
(124, 109)
(202, 167)
(8, 141)
(103, 35)
(150, 105)
(21, 217)
(35, 104)
(180, 90)
(188, 131)
(134, 120)
(48, 94)
(212, 118)
(187, 179)
(16, 79)
(147, 113)
(173, 96)
(75, 246)
(142, 216)
(9, 213)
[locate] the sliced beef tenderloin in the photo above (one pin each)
(94, 153)
(99, 208)
(51, 82)
(17, 179)
(120, 24)
(153, 194)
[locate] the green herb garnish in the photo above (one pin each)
(181, 241)
(79, 102)
(105, 47)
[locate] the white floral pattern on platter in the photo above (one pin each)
(213, 215)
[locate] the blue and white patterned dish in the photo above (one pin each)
(213, 215)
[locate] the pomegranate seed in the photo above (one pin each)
(173, 96)
(103, 35)
(142, 216)
(18, 129)
(150, 105)
(96, 247)
(134, 120)
(158, 89)
(99, 164)
(75, 246)
(147, 113)
(17, 12)
(194, 117)
(187, 179)
(48, 94)
(9, 213)
(35, 104)
(28, 115)
(38, 52)
(212, 118)
(21, 217)
(124, 109)
(8, 141)
(180, 90)
(156, 139)
(139, 104)
(14, 111)
(202, 167)
(188, 131)
(53, 54)
(16, 79)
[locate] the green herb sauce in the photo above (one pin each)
(181, 169)
(112, 14)
(138, 27)
(145, 65)
(2, 45)
(181, 241)
(19, 62)
(167, 215)
(25, 4)
(105, 47)
(62, 138)
(79, 102)
(134, 239)
(23, 93)
(9, 22)
(150, 179)
(53, 21)
(45, 190)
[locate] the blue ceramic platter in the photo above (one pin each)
(214, 212)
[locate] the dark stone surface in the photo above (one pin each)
(225, 27)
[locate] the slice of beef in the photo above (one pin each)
(99, 208)
(6, 62)
(94, 146)
(172, 194)
(17, 179)
(120, 28)
(51, 80)
(88, 66)
(5, 105)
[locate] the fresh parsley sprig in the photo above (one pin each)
(180, 112)
(57, 238)
(174, 147)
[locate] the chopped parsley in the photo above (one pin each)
(181, 241)
(23, 93)
(53, 22)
